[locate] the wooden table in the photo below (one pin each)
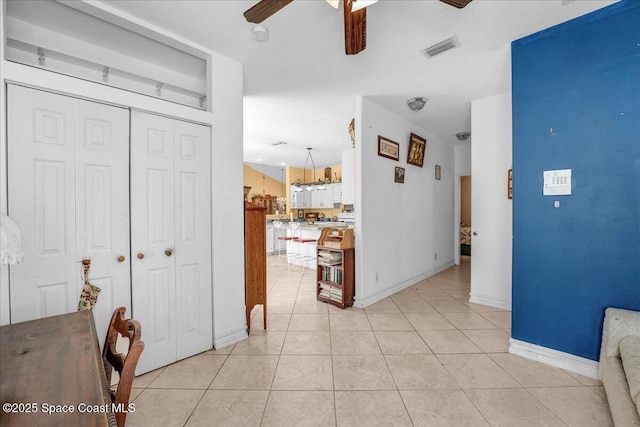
(53, 364)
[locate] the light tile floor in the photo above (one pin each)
(424, 357)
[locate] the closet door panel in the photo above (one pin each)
(102, 212)
(193, 238)
(41, 199)
(152, 233)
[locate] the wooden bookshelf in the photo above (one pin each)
(255, 260)
(335, 276)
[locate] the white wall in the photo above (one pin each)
(491, 151)
(229, 321)
(400, 227)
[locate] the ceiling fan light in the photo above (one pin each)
(359, 4)
(334, 3)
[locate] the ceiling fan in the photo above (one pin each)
(355, 18)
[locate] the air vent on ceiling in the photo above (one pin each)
(443, 46)
(275, 144)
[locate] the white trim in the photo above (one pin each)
(559, 359)
(230, 339)
(406, 284)
(491, 301)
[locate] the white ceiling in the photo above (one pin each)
(300, 87)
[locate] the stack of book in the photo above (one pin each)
(330, 292)
(329, 258)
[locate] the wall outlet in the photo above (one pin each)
(435, 257)
(375, 277)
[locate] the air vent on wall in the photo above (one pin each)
(275, 144)
(443, 46)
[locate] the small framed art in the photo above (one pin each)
(510, 184)
(417, 148)
(389, 149)
(399, 175)
(438, 172)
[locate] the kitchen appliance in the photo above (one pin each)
(347, 217)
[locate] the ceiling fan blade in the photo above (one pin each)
(264, 9)
(457, 3)
(355, 29)
(334, 3)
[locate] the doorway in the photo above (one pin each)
(462, 226)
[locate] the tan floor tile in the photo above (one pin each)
(401, 342)
(310, 307)
(389, 322)
(225, 350)
(428, 322)
(261, 342)
(449, 341)
(283, 296)
(576, 406)
(432, 293)
(307, 296)
(585, 380)
(449, 306)
(459, 294)
(349, 321)
(246, 373)
(370, 408)
(229, 408)
(275, 321)
(135, 392)
(468, 320)
(307, 342)
(280, 306)
(441, 408)
(195, 372)
(419, 372)
(142, 381)
(489, 340)
(512, 407)
(354, 342)
(476, 371)
(163, 407)
(383, 306)
(533, 374)
(414, 306)
(362, 372)
(304, 408)
(303, 373)
(408, 293)
(502, 319)
(309, 322)
(480, 308)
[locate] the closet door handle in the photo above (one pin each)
(168, 252)
(121, 258)
(140, 255)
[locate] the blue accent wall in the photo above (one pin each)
(576, 105)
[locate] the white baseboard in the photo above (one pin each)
(362, 303)
(559, 359)
(490, 301)
(230, 339)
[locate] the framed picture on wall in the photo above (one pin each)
(399, 175)
(417, 149)
(438, 172)
(389, 149)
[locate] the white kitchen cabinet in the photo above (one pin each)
(322, 199)
(270, 239)
(349, 176)
(336, 193)
(300, 199)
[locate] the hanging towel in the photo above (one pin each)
(89, 294)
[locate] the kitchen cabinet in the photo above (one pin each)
(300, 199)
(336, 193)
(270, 245)
(322, 199)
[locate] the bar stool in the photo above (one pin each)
(293, 244)
(308, 244)
(278, 229)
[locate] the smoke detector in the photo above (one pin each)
(260, 33)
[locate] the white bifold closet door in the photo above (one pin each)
(68, 189)
(171, 237)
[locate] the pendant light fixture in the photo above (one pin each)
(310, 186)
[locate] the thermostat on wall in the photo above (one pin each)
(557, 183)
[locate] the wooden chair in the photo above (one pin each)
(124, 364)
